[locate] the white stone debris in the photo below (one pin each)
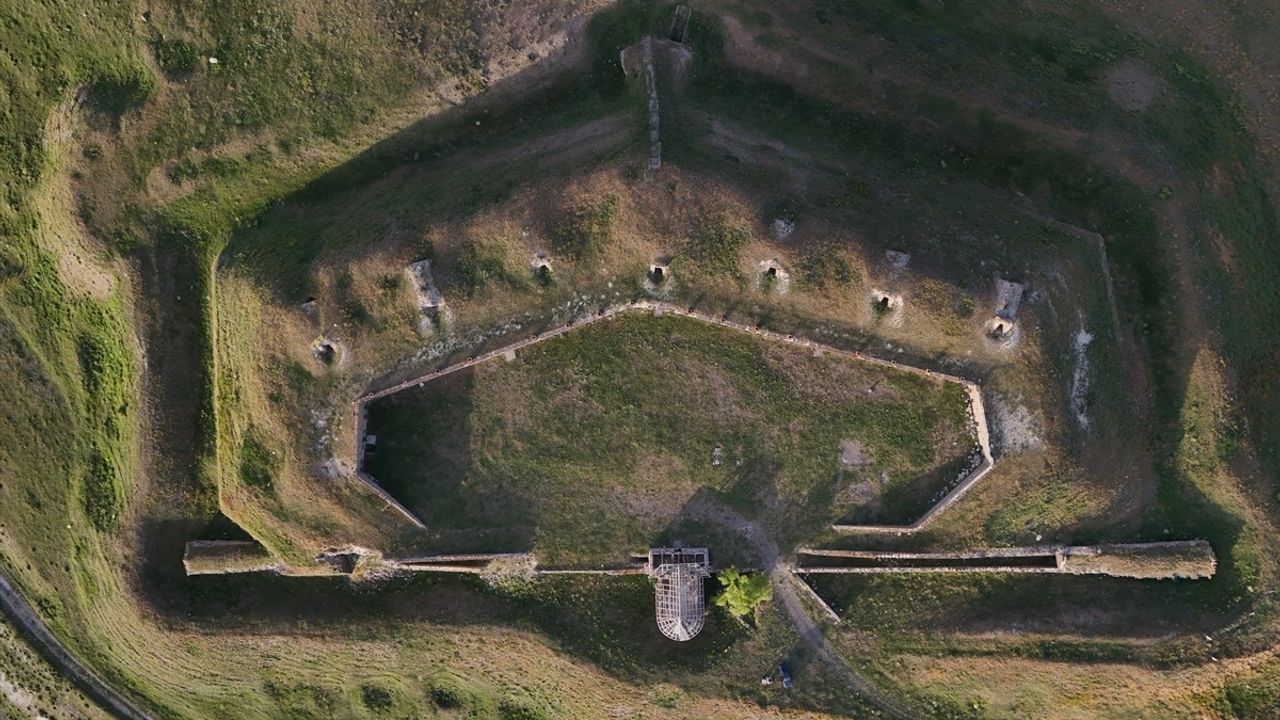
(1080, 377)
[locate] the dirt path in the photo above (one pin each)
(788, 595)
(49, 647)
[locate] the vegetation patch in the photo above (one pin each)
(590, 444)
(103, 492)
(587, 228)
(714, 246)
(741, 594)
(478, 265)
(258, 463)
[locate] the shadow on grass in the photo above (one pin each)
(434, 170)
(425, 459)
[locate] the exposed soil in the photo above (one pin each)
(578, 141)
(1132, 86)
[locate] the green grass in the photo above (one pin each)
(348, 207)
(67, 384)
(257, 463)
(47, 691)
(546, 450)
(714, 246)
(587, 228)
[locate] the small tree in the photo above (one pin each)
(742, 594)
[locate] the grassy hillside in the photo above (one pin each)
(136, 143)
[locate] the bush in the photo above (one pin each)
(177, 58)
(586, 229)
(120, 88)
(715, 246)
(390, 284)
(476, 266)
(665, 696)
(515, 710)
(103, 495)
(376, 698)
(446, 697)
(11, 265)
(742, 594)
(182, 171)
(257, 463)
(823, 263)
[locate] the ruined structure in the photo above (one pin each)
(1003, 322)
(222, 557)
(679, 599)
(1179, 559)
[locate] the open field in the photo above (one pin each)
(178, 179)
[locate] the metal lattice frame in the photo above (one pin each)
(679, 598)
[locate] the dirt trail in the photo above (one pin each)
(44, 641)
(785, 592)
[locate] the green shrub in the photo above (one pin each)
(352, 310)
(510, 709)
(665, 696)
(257, 463)
(377, 698)
(714, 247)
(822, 264)
(182, 171)
(117, 89)
(477, 266)
(854, 192)
(103, 493)
(10, 264)
(390, 284)
(742, 594)
(177, 58)
(587, 229)
(446, 696)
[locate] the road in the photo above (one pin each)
(22, 615)
(786, 593)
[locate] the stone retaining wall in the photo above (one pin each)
(1185, 559)
(977, 408)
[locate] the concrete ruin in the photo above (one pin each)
(487, 564)
(542, 271)
(429, 300)
(1183, 559)
(886, 307)
(773, 277)
(657, 280)
(680, 25)
(679, 597)
(783, 227)
(897, 259)
(224, 557)
(981, 463)
(328, 352)
(638, 60)
(1002, 326)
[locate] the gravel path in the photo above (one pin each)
(786, 592)
(34, 629)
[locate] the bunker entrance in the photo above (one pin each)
(326, 353)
